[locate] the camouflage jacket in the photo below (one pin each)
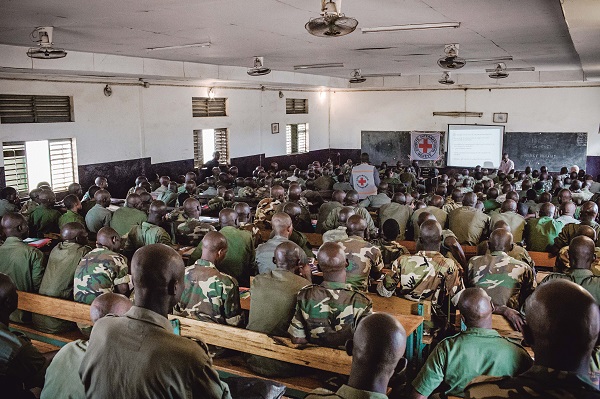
(517, 252)
(362, 257)
(506, 280)
(335, 235)
(390, 250)
(210, 295)
(254, 230)
(563, 264)
(424, 275)
(537, 382)
(266, 209)
(217, 203)
(328, 314)
(192, 231)
(98, 272)
(262, 192)
(246, 192)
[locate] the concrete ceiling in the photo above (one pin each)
(533, 32)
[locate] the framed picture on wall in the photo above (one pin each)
(274, 128)
(500, 117)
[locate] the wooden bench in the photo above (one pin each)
(543, 260)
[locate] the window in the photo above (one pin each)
(35, 109)
(206, 142)
(296, 138)
(32, 162)
(203, 107)
(296, 106)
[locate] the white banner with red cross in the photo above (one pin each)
(425, 146)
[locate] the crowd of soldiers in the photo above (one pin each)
(312, 295)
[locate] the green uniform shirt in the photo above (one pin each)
(124, 219)
(239, 261)
(537, 382)
(469, 224)
(583, 277)
(43, 221)
(362, 257)
(62, 376)
(569, 231)
(158, 364)
(345, 392)
(168, 197)
(332, 220)
(328, 314)
(210, 295)
(375, 201)
(541, 232)
(70, 217)
(97, 218)
(506, 280)
(24, 264)
(324, 210)
(271, 310)
(440, 215)
(456, 360)
(6, 206)
(398, 212)
(98, 272)
(146, 234)
(58, 283)
(563, 263)
(514, 220)
(20, 364)
(300, 239)
(491, 205)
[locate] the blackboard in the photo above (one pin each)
(391, 147)
(553, 150)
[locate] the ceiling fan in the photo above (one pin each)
(258, 69)
(357, 77)
(452, 61)
(332, 22)
(501, 71)
(446, 79)
(43, 36)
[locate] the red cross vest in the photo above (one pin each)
(363, 180)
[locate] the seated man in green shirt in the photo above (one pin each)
(9, 200)
(328, 314)
(99, 216)
(44, 219)
(73, 205)
(60, 272)
(23, 263)
(541, 232)
(376, 349)
(62, 376)
(169, 196)
(128, 216)
(190, 230)
(452, 362)
(22, 367)
(149, 232)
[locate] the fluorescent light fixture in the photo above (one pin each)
(381, 75)
(315, 66)
(492, 59)
(394, 28)
(205, 44)
(458, 114)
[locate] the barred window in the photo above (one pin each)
(207, 141)
(62, 165)
(296, 106)
(296, 138)
(15, 166)
(203, 107)
(35, 109)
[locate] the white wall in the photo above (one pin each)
(529, 110)
(157, 122)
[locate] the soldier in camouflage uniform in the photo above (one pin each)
(266, 208)
(328, 314)
(149, 232)
(102, 270)
(389, 247)
(506, 280)
(225, 201)
(248, 190)
(191, 230)
(341, 232)
(562, 260)
(351, 200)
(425, 275)
(563, 322)
(294, 211)
(210, 295)
(364, 259)
(517, 252)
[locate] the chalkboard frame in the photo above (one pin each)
(401, 138)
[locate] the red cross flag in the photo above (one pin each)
(425, 146)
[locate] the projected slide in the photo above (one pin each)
(472, 145)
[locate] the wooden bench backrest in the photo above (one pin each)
(55, 307)
(542, 259)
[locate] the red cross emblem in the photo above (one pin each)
(362, 181)
(425, 146)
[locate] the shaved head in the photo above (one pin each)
(228, 217)
(589, 211)
(332, 259)
(547, 209)
(345, 214)
(102, 197)
(475, 306)
(356, 226)
(351, 198)
(243, 211)
(509, 206)
(500, 240)
(74, 231)
(15, 225)
(278, 192)
(423, 216)
(289, 256)
(191, 207)
(563, 322)
(109, 303)
(436, 201)
(282, 224)
(567, 208)
(469, 199)
(294, 192)
(292, 209)
(339, 196)
(430, 237)
(133, 201)
(585, 230)
(501, 224)
(214, 247)
(582, 252)
(109, 238)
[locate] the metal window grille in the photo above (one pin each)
(221, 138)
(62, 165)
(198, 149)
(15, 166)
(203, 107)
(296, 106)
(296, 138)
(35, 109)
